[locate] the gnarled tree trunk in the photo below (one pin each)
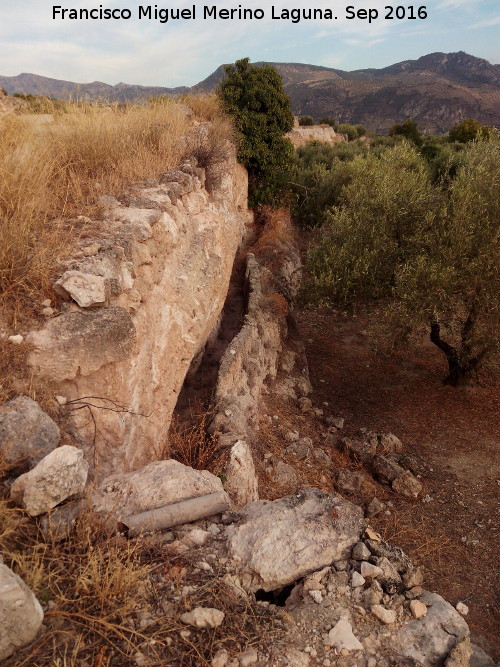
(462, 366)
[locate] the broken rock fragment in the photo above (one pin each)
(61, 474)
(87, 289)
(203, 617)
(342, 637)
(276, 542)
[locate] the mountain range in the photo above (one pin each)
(437, 91)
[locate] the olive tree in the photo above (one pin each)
(430, 256)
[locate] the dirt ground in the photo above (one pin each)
(452, 437)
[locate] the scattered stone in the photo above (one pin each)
(196, 537)
(462, 609)
(61, 474)
(429, 639)
(342, 637)
(389, 579)
(357, 580)
(48, 312)
(292, 436)
(299, 450)
(250, 657)
(317, 596)
(21, 615)
(86, 289)
(46, 303)
(387, 616)
(284, 474)
(370, 571)
(17, 340)
(350, 481)
(220, 659)
(61, 400)
(27, 433)
(390, 444)
(407, 485)
(418, 609)
(57, 525)
(91, 250)
(305, 404)
(374, 507)
(203, 617)
(277, 542)
(413, 577)
(361, 551)
(359, 450)
(386, 470)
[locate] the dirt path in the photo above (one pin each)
(452, 437)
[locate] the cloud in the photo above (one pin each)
(487, 23)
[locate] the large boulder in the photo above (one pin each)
(61, 474)
(277, 542)
(27, 433)
(20, 613)
(430, 639)
(156, 485)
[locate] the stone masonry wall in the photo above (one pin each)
(142, 297)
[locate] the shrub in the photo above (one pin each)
(409, 130)
(350, 130)
(306, 121)
(468, 130)
(253, 96)
(326, 120)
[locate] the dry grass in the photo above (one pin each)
(51, 172)
(192, 444)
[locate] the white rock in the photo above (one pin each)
(342, 638)
(418, 609)
(46, 303)
(203, 617)
(61, 474)
(357, 580)
(387, 616)
(91, 250)
(462, 608)
(220, 659)
(156, 485)
(20, 613)
(196, 537)
(279, 541)
(48, 312)
(241, 484)
(370, 571)
(17, 340)
(317, 596)
(61, 400)
(250, 657)
(86, 289)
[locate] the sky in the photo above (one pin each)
(184, 52)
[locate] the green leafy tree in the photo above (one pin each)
(262, 114)
(428, 256)
(326, 120)
(468, 130)
(305, 121)
(409, 130)
(350, 130)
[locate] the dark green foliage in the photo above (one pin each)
(351, 131)
(305, 121)
(254, 97)
(326, 120)
(429, 254)
(361, 130)
(468, 130)
(409, 130)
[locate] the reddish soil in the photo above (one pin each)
(452, 437)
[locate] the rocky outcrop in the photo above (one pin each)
(27, 433)
(20, 613)
(142, 298)
(300, 136)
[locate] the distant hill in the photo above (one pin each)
(437, 90)
(33, 84)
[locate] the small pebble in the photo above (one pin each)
(462, 608)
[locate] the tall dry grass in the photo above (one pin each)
(51, 172)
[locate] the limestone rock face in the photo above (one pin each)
(20, 613)
(156, 485)
(430, 639)
(277, 542)
(61, 474)
(162, 260)
(81, 343)
(27, 433)
(241, 484)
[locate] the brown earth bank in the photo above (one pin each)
(451, 438)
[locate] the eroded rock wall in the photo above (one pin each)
(143, 295)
